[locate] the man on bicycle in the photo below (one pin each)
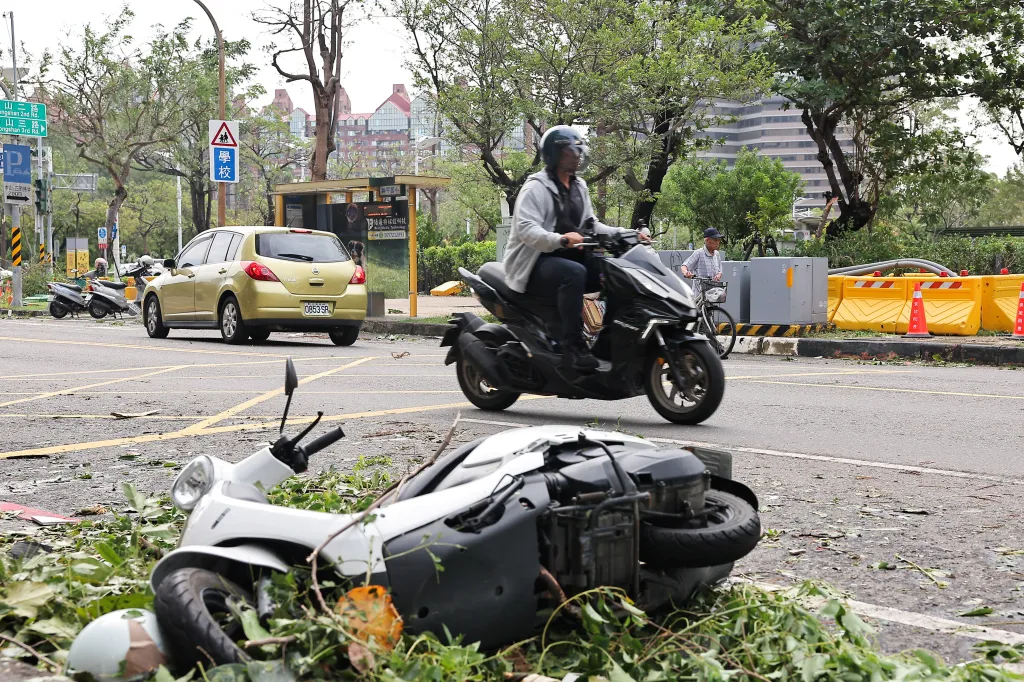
(706, 262)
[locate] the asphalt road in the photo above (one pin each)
(855, 464)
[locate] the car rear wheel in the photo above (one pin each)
(232, 328)
(345, 336)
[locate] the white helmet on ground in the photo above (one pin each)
(130, 637)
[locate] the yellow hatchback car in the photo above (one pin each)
(251, 281)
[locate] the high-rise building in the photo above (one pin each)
(777, 133)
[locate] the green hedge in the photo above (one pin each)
(440, 264)
(979, 255)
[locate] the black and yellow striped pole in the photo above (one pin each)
(16, 245)
(42, 252)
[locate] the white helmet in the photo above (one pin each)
(146, 260)
(130, 637)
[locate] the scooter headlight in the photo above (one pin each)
(194, 481)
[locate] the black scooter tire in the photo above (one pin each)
(193, 636)
(97, 309)
(58, 311)
(733, 535)
(493, 402)
(712, 397)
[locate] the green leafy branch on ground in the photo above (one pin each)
(737, 633)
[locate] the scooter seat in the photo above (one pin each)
(111, 285)
(73, 287)
(493, 274)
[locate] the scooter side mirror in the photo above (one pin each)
(291, 380)
(169, 263)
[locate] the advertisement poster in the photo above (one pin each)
(376, 233)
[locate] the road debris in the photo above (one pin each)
(132, 415)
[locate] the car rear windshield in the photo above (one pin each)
(309, 248)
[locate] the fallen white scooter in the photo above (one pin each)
(516, 519)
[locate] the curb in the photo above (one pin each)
(978, 354)
(7, 312)
(404, 328)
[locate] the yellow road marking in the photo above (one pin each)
(156, 437)
(893, 390)
(234, 392)
(27, 377)
(232, 411)
(122, 346)
(51, 394)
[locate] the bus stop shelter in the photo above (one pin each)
(387, 219)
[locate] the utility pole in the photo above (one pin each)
(178, 178)
(15, 208)
(221, 186)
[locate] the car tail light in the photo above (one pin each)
(301, 231)
(259, 271)
(359, 276)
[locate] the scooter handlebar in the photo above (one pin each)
(324, 441)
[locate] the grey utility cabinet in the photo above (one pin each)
(819, 290)
(673, 259)
(782, 290)
(736, 273)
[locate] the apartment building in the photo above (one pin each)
(774, 132)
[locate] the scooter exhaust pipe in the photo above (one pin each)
(486, 362)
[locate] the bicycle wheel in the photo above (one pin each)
(723, 336)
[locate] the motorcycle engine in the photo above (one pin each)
(591, 534)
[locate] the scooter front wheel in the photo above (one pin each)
(57, 310)
(703, 389)
(97, 309)
(192, 606)
(479, 392)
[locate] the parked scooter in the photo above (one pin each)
(646, 343)
(65, 298)
(516, 519)
(108, 298)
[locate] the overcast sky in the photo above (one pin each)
(373, 60)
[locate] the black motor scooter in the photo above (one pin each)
(647, 342)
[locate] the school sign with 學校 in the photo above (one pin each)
(224, 151)
(22, 118)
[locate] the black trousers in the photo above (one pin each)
(566, 279)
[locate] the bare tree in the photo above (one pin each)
(314, 30)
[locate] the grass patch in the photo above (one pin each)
(846, 334)
(740, 633)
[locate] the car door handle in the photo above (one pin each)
(191, 275)
(222, 271)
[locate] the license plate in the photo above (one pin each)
(316, 309)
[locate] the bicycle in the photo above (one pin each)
(712, 320)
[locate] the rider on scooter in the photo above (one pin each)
(542, 257)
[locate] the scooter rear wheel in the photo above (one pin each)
(691, 404)
(479, 392)
(97, 309)
(187, 605)
(57, 310)
(733, 531)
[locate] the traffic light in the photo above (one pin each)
(42, 195)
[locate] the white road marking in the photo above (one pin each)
(797, 455)
(917, 620)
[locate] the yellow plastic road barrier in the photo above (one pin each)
(447, 289)
(873, 304)
(835, 293)
(131, 293)
(999, 299)
(952, 306)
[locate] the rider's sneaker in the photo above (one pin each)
(579, 359)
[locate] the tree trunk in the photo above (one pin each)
(114, 207)
(844, 185)
(657, 169)
(324, 144)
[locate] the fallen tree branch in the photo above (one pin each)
(32, 651)
(270, 640)
(312, 558)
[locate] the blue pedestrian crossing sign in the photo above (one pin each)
(224, 151)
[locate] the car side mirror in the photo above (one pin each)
(169, 263)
